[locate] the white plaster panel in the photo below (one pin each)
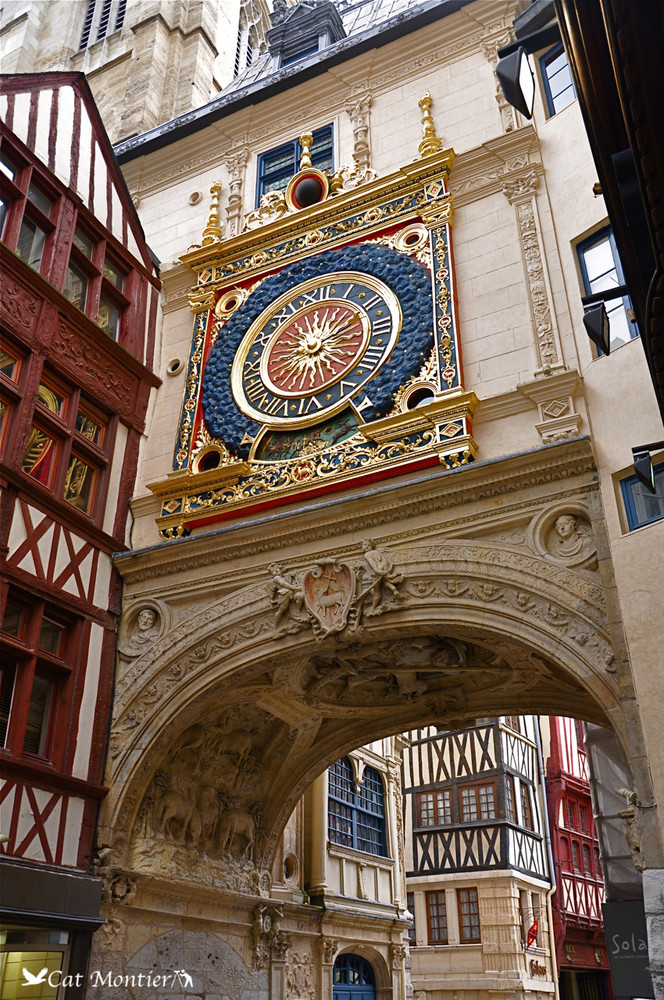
(44, 545)
(86, 715)
(17, 532)
(103, 580)
(85, 569)
(42, 143)
(100, 203)
(63, 145)
(72, 831)
(6, 808)
(84, 157)
(114, 478)
(21, 115)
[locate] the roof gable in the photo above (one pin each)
(55, 116)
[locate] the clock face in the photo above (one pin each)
(314, 348)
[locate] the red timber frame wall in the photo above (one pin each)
(77, 321)
(577, 903)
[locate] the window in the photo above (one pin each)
(68, 446)
(30, 949)
(469, 915)
(526, 812)
(410, 905)
(571, 815)
(356, 818)
(557, 79)
(102, 18)
(601, 270)
(514, 722)
(587, 864)
(95, 281)
(353, 970)
(436, 917)
(434, 808)
(37, 645)
(642, 506)
(10, 370)
(276, 167)
(575, 855)
(477, 802)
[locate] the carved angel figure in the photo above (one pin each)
(284, 589)
(382, 574)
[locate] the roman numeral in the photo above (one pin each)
(276, 405)
(381, 326)
(252, 367)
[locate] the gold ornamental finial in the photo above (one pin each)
(212, 231)
(430, 142)
(306, 141)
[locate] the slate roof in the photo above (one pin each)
(368, 24)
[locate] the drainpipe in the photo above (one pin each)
(549, 855)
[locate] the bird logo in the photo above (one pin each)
(31, 980)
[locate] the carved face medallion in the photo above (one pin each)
(328, 591)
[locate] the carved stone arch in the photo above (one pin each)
(480, 628)
(377, 961)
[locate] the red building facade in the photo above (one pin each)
(79, 306)
(577, 904)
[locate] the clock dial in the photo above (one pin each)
(312, 350)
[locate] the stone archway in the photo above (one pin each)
(471, 630)
(248, 678)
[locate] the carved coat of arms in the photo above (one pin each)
(328, 593)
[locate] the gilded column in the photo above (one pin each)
(235, 162)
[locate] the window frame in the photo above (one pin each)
(34, 661)
(527, 816)
(433, 899)
(545, 61)
(477, 787)
(472, 900)
(629, 504)
(582, 247)
(20, 207)
(435, 793)
(71, 444)
(286, 172)
(346, 803)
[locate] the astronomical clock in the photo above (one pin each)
(325, 352)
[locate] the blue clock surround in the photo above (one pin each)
(410, 281)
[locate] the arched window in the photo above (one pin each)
(353, 979)
(356, 818)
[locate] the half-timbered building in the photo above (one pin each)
(79, 303)
(477, 860)
(578, 929)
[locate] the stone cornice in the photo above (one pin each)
(569, 464)
(486, 169)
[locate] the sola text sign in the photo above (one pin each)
(627, 945)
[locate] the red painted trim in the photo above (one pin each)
(109, 202)
(32, 119)
(308, 494)
(75, 141)
(53, 129)
(91, 179)
(9, 117)
(43, 776)
(62, 829)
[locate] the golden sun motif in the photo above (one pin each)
(316, 347)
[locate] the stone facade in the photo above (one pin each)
(239, 695)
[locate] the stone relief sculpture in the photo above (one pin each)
(564, 535)
(142, 629)
(205, 796)
(572, 542)
(331, 596)
(263, 930)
